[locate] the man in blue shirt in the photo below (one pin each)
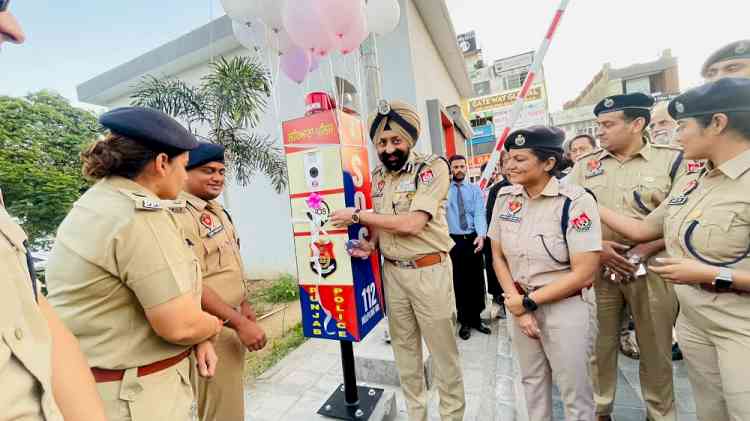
(468, 227)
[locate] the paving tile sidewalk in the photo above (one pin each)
(298, 385)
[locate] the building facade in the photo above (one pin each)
(424, 43)
(659, 78)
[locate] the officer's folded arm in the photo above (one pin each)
(72, 382)
(634, 229)
(181, 321)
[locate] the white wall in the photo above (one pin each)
(431, 77)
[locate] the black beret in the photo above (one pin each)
(722, 96)
(205, 153)
(536, 137)
(153, 129)
(634, 101)
(735, 50)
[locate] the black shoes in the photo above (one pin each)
(483, 328)
(464, 332)
(676, 352)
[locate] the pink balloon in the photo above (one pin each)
(295, 63)
(305, 24)
(357, 33)
(340, 15)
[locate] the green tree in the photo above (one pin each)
(228, 103)
(41, 136)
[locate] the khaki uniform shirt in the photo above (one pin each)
(119, 251)
(208, 227)
(421, 185)
(530, 230)
(633, 187)
(25, 342)
(717, 204)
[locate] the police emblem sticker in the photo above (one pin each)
(327, 258)
(581, 223)
(609, 102)
(206, 220)
(593, 168)
(680, 107)
(520, 140)
(426, 176)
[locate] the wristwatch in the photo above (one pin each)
(355, 216)
(529, 304)
(724, 279)
(4, 5)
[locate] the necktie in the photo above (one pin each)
(461, 209)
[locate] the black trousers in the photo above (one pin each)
(493, 284)
(468, 279)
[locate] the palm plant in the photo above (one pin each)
(228, 102)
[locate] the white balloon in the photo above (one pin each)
(251, 35)
(383, 15)
(241, 10)
(270, 12)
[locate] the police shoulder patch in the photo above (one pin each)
(581, 223)
(426, 176)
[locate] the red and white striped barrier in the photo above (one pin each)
(518, 105)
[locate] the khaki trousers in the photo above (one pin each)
(714, 331)
(222, 397)
(653, 305)
(562, 355)
(421, 303)
(162, 396)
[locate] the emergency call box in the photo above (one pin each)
(326, 154)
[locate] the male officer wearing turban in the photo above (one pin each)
(209, 228)
(410, 192)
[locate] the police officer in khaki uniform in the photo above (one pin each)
(706, 225)
(209, 228)
(410, 192)
(43, 374)
(732, 60)
(123, 277)
(633, 177)
(546, 238)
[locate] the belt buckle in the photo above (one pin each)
(410, 264)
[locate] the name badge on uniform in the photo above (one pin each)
(514, 206)
(683, 198)
(215, 231)
(406, 186)
(593, 168)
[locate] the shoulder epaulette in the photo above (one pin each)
(142, 202)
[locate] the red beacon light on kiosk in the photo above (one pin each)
(317, 102)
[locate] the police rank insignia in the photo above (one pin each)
(426, 176)
(683, 198)
(151, 204)
(514, 206)
(593, 168)
(327, 258)
(581, 223)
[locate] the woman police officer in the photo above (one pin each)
(706, 227)
(122, 276)
(546, 239)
